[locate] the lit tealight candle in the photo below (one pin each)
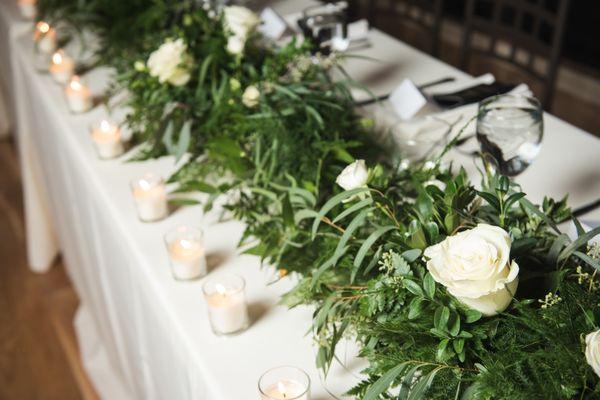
(62, 67)
(284, 383)
(79, 96)
(150, 195)
(45, 44)
(186, 253)
(45, 38)
(107, 140)
(226, 301)
(28, 8)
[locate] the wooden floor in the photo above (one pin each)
(39, 358)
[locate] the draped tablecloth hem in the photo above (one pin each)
(95, 359)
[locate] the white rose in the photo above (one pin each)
(170, 63)
(592, 351)
(251, 96)
(240, 21)
(474, 266)
(353, 176)
(235, 45)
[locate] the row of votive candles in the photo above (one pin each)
(225, 295)
(61, 67)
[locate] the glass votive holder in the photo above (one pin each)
(226, 301)
(284, 383)
(186, 253)
(62, 67)
(28, 8)
(150, 196)
(106, 137)
(79, 96)
(45, 40)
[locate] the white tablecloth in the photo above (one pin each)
(42, 244)
(144, 335)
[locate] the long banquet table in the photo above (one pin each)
(143, 335)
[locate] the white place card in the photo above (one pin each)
(340, 44)
(273, 25)
(358, 30)
(407, 100)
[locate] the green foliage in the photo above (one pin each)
(359, 253)
(417, 337)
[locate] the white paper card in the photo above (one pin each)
(358, 30)
(340, 44)
(273, 25)
(407, 100)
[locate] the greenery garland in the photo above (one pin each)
(372, 280)
(269, 124)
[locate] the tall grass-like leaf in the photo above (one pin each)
(167, 138)
(334, 201)
(183, 144)
(353, 226)
(407, 383)
(355, 207)
(304, 214)
(555, 249)
(529, 206)
(581, 240)
(362, 252)
(420, 389)
(589, 260)
(383, 383)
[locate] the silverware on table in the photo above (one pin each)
(586, 208)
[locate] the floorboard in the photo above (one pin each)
(39, 358)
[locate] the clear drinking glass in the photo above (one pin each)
(289, 383)
(509, 130)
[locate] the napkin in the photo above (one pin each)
(428, 127)
(430, 130)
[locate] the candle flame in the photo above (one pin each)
(220, 289)
(43, 27)
(57, 58)
(281, 388)
(105, 126)
(186, 243)
(75, 84)
(145, 185)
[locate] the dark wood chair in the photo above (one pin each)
(405, 19)
(523, 35)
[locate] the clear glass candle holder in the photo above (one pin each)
(106, 137)
(62, 67)
(45, 44)
(150, 196)
(79, 96)
(186, 253)
(28, 8)
(284, 383)
(226, 301)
